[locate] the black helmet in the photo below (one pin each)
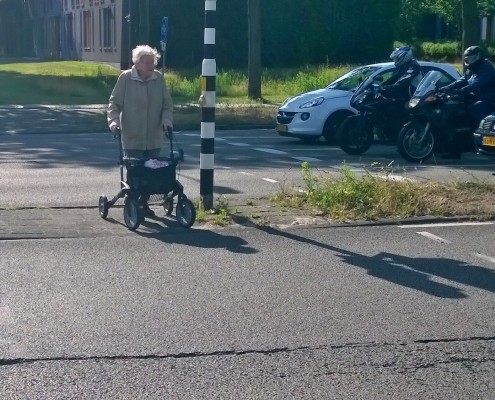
(472, 54)
(401, 55)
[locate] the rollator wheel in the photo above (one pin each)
(168, 205)
(103, 206)
(185, 212)
(133, 213)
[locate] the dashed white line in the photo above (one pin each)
(246, 173)
(239, 144)
(444, 224)
(270, 180)
(433, 237)
(271, 151)
(308, 159)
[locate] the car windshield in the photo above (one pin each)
(352, 79)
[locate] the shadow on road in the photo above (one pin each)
(168, 231)
(415, 273)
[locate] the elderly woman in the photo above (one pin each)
(141, 106)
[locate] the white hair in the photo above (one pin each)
(144, 50)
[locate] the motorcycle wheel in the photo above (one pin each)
(352, 138)
(414, 144)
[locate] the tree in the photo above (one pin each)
(470, 24)
(254, 49)
(464, 13)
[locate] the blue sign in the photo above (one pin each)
(164, 29)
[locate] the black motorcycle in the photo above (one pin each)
(439, 121)
(381, 112)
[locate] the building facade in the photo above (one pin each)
(88, 30)
(92, 30)
(488, 28)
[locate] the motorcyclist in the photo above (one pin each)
(478, 79)
(478, 84)
(406, 75)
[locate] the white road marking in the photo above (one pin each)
(433, 237)
(395, 178)
(270, 180)
(246, 173)
(485, 257)
(190, 134)
(217, 139)
(271, 151)
(308, 159)
(239, 144)
(445, 224)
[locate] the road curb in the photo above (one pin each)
(25, 223)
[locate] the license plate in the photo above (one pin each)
(281, 128)
(489, 140)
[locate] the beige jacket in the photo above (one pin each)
(141, 108)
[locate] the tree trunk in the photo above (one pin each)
(144, 18)
(470, 24)
(254, 49)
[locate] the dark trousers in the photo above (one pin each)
(479, 110)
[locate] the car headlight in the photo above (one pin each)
(313, 103)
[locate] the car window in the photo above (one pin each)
(383, 76)
(352, 79)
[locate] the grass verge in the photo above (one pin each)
(346, 196)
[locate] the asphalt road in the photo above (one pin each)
(376, 312)
(251, 313)
(75, 169)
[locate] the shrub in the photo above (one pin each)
(444, 51)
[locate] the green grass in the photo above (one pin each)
(63, 82)
(79, 82)
(373, 196)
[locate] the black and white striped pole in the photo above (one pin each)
(207, 102)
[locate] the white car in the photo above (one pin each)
(310, 115)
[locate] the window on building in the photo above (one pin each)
(87, 30)
(69, 34)
(108, 28)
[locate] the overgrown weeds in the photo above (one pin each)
(219, 216)
(371, 196)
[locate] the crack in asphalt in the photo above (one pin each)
(17, 361)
